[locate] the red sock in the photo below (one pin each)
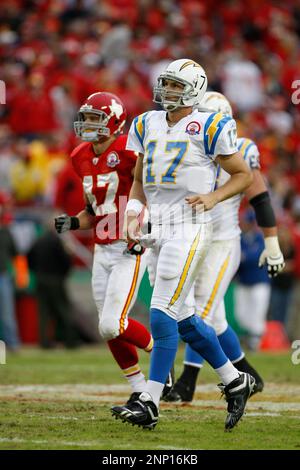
(137, 334)
(124, 353)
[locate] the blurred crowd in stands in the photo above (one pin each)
(53, 54)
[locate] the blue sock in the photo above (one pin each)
(231, 344)
(165, 335)
(192, 357)
(203, 339)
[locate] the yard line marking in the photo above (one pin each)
(37, 415)
(270, 388)
(40, 415)
(45, 441)
(254, 405)
(271, 400)
(172, 448)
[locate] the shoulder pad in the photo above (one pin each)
(79, 149)
(212, 129)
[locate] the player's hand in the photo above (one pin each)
(272, 257)
(62, 223)
(202, 202)
(132, 231)
(135, 249)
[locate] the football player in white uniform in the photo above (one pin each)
(223, 259)
(175, 176)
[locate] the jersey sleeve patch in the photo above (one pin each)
(212, 129)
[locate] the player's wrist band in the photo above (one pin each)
(134, 205)
(272, 246)
(75, 224)
(264, 213)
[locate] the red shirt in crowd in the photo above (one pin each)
(32, 113)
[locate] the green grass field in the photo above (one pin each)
(61, 400)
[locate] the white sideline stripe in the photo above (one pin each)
(270, 388)
(254, 405)
(265, 408)
(117, 393)
(72, 418)
(44, 441)
(62, 388)
(173, 448)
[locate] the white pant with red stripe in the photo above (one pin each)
(212, 281)
(116, 279)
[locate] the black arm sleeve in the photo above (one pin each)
(264, 213)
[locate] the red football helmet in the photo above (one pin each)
(109, 110)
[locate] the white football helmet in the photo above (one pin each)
(215, 102)
(191, 75)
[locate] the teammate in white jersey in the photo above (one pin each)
(223, 259)
(179, 150)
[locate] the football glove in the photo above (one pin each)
(134, 249)
(272, 257)
(64, 222)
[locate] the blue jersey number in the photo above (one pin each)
(150, 178)
(169, 176)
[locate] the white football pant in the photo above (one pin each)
(116, 278)
(173, 264)
(216, 272)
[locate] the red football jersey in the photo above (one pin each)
(107, 179)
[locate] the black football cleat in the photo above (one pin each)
(142, 412)
(116, 410)
(181, 392)
(133, 397)
(237, 394)
(244, 366)
(258, 387)
(169, 384)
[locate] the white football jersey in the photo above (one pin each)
(225, 215)
(178, 161)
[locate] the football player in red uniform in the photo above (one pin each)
(106, 170)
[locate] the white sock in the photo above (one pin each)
(227, 373)
(155, 390)
(137, 382)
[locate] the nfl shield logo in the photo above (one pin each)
(95, 160)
